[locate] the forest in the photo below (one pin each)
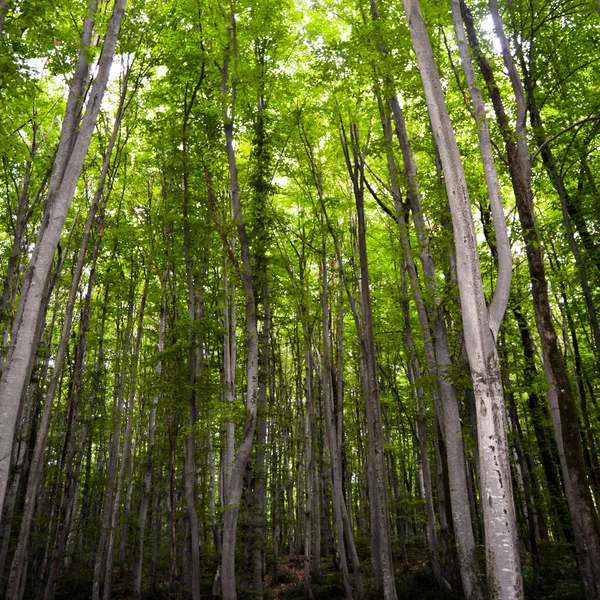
(300, 299)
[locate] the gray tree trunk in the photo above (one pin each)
(149, 467)
(67, 168)
(437, 354)
(236, 481)
(480, 330)
(378, 491)
(563, 408)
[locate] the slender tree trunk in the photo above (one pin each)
(331, 433)
(378, 491)
(236, 481)
(149, 468)
(229, 359)
(563, 407)
(480, 329)
(414, 375)
(540, 417)
(308, 471)
(189, 473)
(260, 476)
(67, 167)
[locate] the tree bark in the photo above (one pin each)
(563, 407)
(243, 453)
(66, 170)
(480, 330)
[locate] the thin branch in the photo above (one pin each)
(551, 139)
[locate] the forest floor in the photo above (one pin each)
(557, 580)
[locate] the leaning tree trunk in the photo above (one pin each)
(480, 329)
(36, 467)
(67, 167)
(437, 353)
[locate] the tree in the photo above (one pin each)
(481, 324)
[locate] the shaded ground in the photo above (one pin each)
(558, 580)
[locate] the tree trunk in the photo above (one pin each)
(243, 454)
(331, 435)
(480, 330)
(67, 167)
(563, 407)
(378, 492)
(149, 467)
(437, 353)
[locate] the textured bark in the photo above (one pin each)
(504, 569)
(67, 167)
(261, 190)
(229, 358)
